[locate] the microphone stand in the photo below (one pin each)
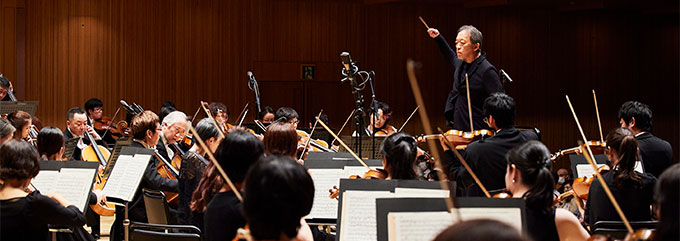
(252, 84)
(374, 103)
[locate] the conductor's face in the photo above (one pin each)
(464, 48)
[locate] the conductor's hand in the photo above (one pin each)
(433, 32)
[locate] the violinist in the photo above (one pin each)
(281, 139)
(146, 131)
(528, 177)
(21, 121)
(95, 111)
(288, 115)
(25, 216)
(631, 189)
(399, 156)
(221, 114)
(194, 164)
(656, 153)
(469, 59)
(486, 157)
(666, 201)
(267, 115)
(174, 127)
(380, 120)
(76, 126)
(223, 215)
(6, 130)
(5, 86)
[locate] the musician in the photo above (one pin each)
(483, 78)
(631, 189)
(399, 156)
(174, 127)
(666, 201)
(379, 120)
(528, 177)
(221, 114)
(25, 216)
(223, 215)
(288, 115)
(5, 86)
(95, 111)
(76, 126)
(21, 121)
(267, 115)
(194, 163)
(281, 139)
(278, 194)
(146, 131)
(6, 130)
(166, 108)
(656, 153)
(486, 157)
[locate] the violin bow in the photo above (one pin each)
(195, 114)
(217, 165)
(112, 118)
(443, 180)
(343, 125)
(597, 112)
(243, 118)
(462, 161)
(259, 124)
(408, 119)
(243, 113)
(590, 157)
(207, 112)
(310, 135)
(467, 86)
(342, 143)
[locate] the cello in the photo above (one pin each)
(97, 153)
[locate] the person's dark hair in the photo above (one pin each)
(18, 160)
(532, 159)
(73, 111)
(165, 110)
(215, 106)
(278, 192)
(623, 142)
(6, 128)
(206, 129)
(480, 230)
(168, 103)
(50, 141)
(265, 110)
(502, 108)
(475, 35)
(323, 117)
(146, 120)
(286, 114)
(667, 200)
(93, 103)
(239, 150)
(19, 119)
(639, 111)
(399, 151)
(280, 139)
(4, 81)
(387, 112)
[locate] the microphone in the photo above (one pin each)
(350, 68)
(138, 108)
(251, 79)
(127, 107)
(505, 76)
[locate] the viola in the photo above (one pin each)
(377, 173)
(166, 170)
(457, 137)
(106, 124)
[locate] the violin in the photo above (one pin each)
(166, 170)
(457, 137)
(386, 131)
(314, 144)
(581, 185)
(597, 147)
(177, 157)
(378, 173)
(106, 124)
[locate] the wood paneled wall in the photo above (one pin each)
(186, 51)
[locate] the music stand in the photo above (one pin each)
(368, 148)
(7, 107)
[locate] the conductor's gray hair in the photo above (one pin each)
(475, 35)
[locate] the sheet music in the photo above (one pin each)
(358, 215)
(417, 226)
(586, 170)
(510, 216)
(126, 175)
(638, 167)
(355, 170)
(324, 179)
(74, 184)
(420, 192)
(44, 181)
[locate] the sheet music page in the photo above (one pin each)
(510, 216)
(420, 192)
(74, 184)
(355, 170)
(45, 180)
(358, 215)
(125, 176)
(586, 170)
(416, 226)
(638, 167)
(324, 179)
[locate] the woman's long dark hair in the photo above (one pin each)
(623, 142)
(400, 155)
(667, 200)
(239, 150)
(532, 159)
(50, 141)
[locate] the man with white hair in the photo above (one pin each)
(174, 127)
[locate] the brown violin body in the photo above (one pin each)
(117, 129)
(370, 174)
(597, 147)
(91, 155)
(457, 138)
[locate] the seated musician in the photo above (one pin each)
(631, 189)
(5, 86)
(399, 156)
(166, 108)
(25, 216)
(95, 111)
(223, 215)
(480, 230)
(21, 121)
(76, 126)
(288, 115)
(267, 115)
(528, 176)
(6, 130)
(278, 194)
(194, 163)
(221, 114)
(174, 127)
(281, 139)
(146, 131)
(667, 202)
(656, 153)
(486, 157)
(380, 119)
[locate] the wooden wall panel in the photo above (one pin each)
(186, 51)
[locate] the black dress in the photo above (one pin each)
(541, 226)
(26, 218)
(634, 201)
(223, 217)
(190, 173)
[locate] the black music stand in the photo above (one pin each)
(7, 107)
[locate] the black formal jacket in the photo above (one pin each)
(151, 180)
(634, 201)
(160, 146)
(484, 80)
(486, 158)
(77, 152)
(657, 154)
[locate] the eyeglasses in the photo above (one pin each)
(295, 122)
(98, 109)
